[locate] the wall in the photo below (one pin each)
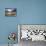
(28, 12)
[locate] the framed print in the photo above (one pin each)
(10, 11)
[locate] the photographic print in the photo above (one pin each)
(10, 11)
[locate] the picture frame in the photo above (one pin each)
(10, 11)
